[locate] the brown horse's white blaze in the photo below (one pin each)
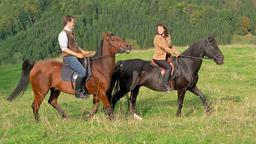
(46, 75)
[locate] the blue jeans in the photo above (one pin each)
(74, 63)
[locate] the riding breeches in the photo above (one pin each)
(164, 64)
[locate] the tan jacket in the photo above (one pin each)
(162, 47)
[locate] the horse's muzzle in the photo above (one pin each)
(219, 59)
(127, 49)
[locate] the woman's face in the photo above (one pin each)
(160, 30)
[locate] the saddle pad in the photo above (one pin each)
(67, 74)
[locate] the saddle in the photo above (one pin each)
(162, 70)
(69, 75)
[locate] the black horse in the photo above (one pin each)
(131, 74)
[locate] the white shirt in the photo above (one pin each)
(63, 39)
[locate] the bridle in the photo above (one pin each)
(200, 58)
(104, 56)
(192, 57)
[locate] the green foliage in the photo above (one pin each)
(29, 28)
(246, 39)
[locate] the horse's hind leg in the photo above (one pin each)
(53, 101)
(197, 92)
(39, 95)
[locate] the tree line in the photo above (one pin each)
(29, 28)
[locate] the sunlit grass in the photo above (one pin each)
(230, 88)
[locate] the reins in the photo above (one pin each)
(101, 57)
(200, 58)
(104, 56)
(192, 57)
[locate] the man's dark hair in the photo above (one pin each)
(67, 19)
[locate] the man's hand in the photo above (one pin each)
(88, 53)
(80, 55)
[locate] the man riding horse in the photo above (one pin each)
(72, 54)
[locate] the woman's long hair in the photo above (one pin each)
(166, 30)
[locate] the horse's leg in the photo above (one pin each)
(39, 95)
(53, 101)
(181, 94)
(106, 104)
(197, 92)
(95, 107)
(116, 98)
(132, 101)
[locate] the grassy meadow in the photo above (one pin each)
(230, 88)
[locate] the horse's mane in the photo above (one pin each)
(188, 50)
(192, 47)
(99, 50)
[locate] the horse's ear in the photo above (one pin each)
(106, 34)
(210, 39)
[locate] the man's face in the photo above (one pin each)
(71, 24)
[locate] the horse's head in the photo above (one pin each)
(117, 45)
(212, 50)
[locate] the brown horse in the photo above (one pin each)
(46, 75)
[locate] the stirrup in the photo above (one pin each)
(81, 95)
(167, 88)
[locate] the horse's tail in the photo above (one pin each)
(114, 84)
(24, 80)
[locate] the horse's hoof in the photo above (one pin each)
(111, 117)
(37, 120)
(207, 112)
(178, 114)
(137, 117)
(65, 117)
(89, 116)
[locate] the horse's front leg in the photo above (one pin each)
(107, 106)
(197, 92)
(181, 94)
(132, 103)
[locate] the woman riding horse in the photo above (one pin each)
(131, 74)
(163, 47)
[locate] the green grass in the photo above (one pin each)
(230, 88)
